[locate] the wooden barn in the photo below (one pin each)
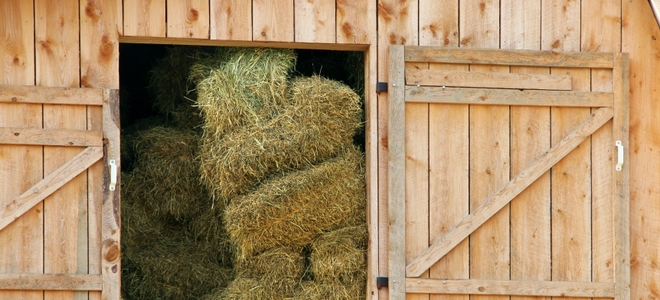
(512, 147)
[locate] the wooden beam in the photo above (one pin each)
(488, 80)
(240, 43)
(469, 224)
(509, 57)
(60, 282)
(514, 288)
(44, 188)
(51, 137)
(508, 97)
(397, 183)
(50, 95)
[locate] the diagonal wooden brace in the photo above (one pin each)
(513, 188)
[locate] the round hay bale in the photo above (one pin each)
(280, 268)
(312, 290)
(317, 122)
(240, 86)
(293, 209)
(166, 172)
(340, 256)
(173, 268)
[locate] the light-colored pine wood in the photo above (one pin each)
(508, 97)
(510, 57)
(489, 80)
(505, 287)
(61, 282)
(600, 26)
(227, 43)
(448, 184)
(438, 23)
(480, 23)
(96, 182)
(315, 21)
(231, 20)
(21, 244)
(489, 170)
(571, 193)
(530, 211)
(621, 210)
(30, 136)
(100, 27)
(188, 19)
(644, 148)
(560, 25)
(272, 20)
(144, 18)
(397, 25)
(509, 191)
(56, 42)
(520, 24)
(111, 212)
(51, 183)
(356, 22)
(50, 95)
(397, 183)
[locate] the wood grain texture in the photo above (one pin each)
(520, 24)
(480, 23)
(489, 80)
(57, 46)
(231, 20)
(515, 288)
(509, 191)
(356, 22)
(110, 210)
(315, 21)
(144, 18)
(273, 20)
(100, 27)
(438, 23)
(560, 25)
(31, 136)
(21, 244)
(96, 182)
(448, 184)
(638, 32)
(65, 282)
(188, 19)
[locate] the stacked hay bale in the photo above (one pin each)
(277, 155)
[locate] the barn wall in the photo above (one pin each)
(76, 43)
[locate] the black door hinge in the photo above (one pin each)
(381, 86)
(381, 281)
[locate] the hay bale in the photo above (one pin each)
(293, 209)
(317, 122)
(172, 267)
(209, 231)
(166, 172)
(340, 256)
(246, 289)
(239, 86)
(312, 290)
(280, 268)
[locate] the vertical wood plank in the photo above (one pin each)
(560, 25)
(272, 20)
(188, 19)
(315, 21)
(521, 24)
(480, 23)
(21, 243)
(601, 32)
(397, 25)
(111, 212)
(639, 30)
(396, 179)
(57, 45)
(438, 23)
(100, 25)
(231, 20)
(144, 18)
(448, 184)
(355, 22)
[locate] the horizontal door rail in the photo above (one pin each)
(513, 288)
(50, 95)
(59, 282)
(559, 82)
(51, 137)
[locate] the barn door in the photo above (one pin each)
(59, 234)
(507, 174)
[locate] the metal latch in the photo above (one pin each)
(619, 161)
(113, 174)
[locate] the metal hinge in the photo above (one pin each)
(381, 281)
(381, 86)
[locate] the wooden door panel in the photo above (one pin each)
(540, 155)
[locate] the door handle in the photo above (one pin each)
(113, 174)
(619, 162)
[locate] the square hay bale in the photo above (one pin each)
(292, 209)
(340, 257)
(317, 122)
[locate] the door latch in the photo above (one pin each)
(619, 162)
(113, 174)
